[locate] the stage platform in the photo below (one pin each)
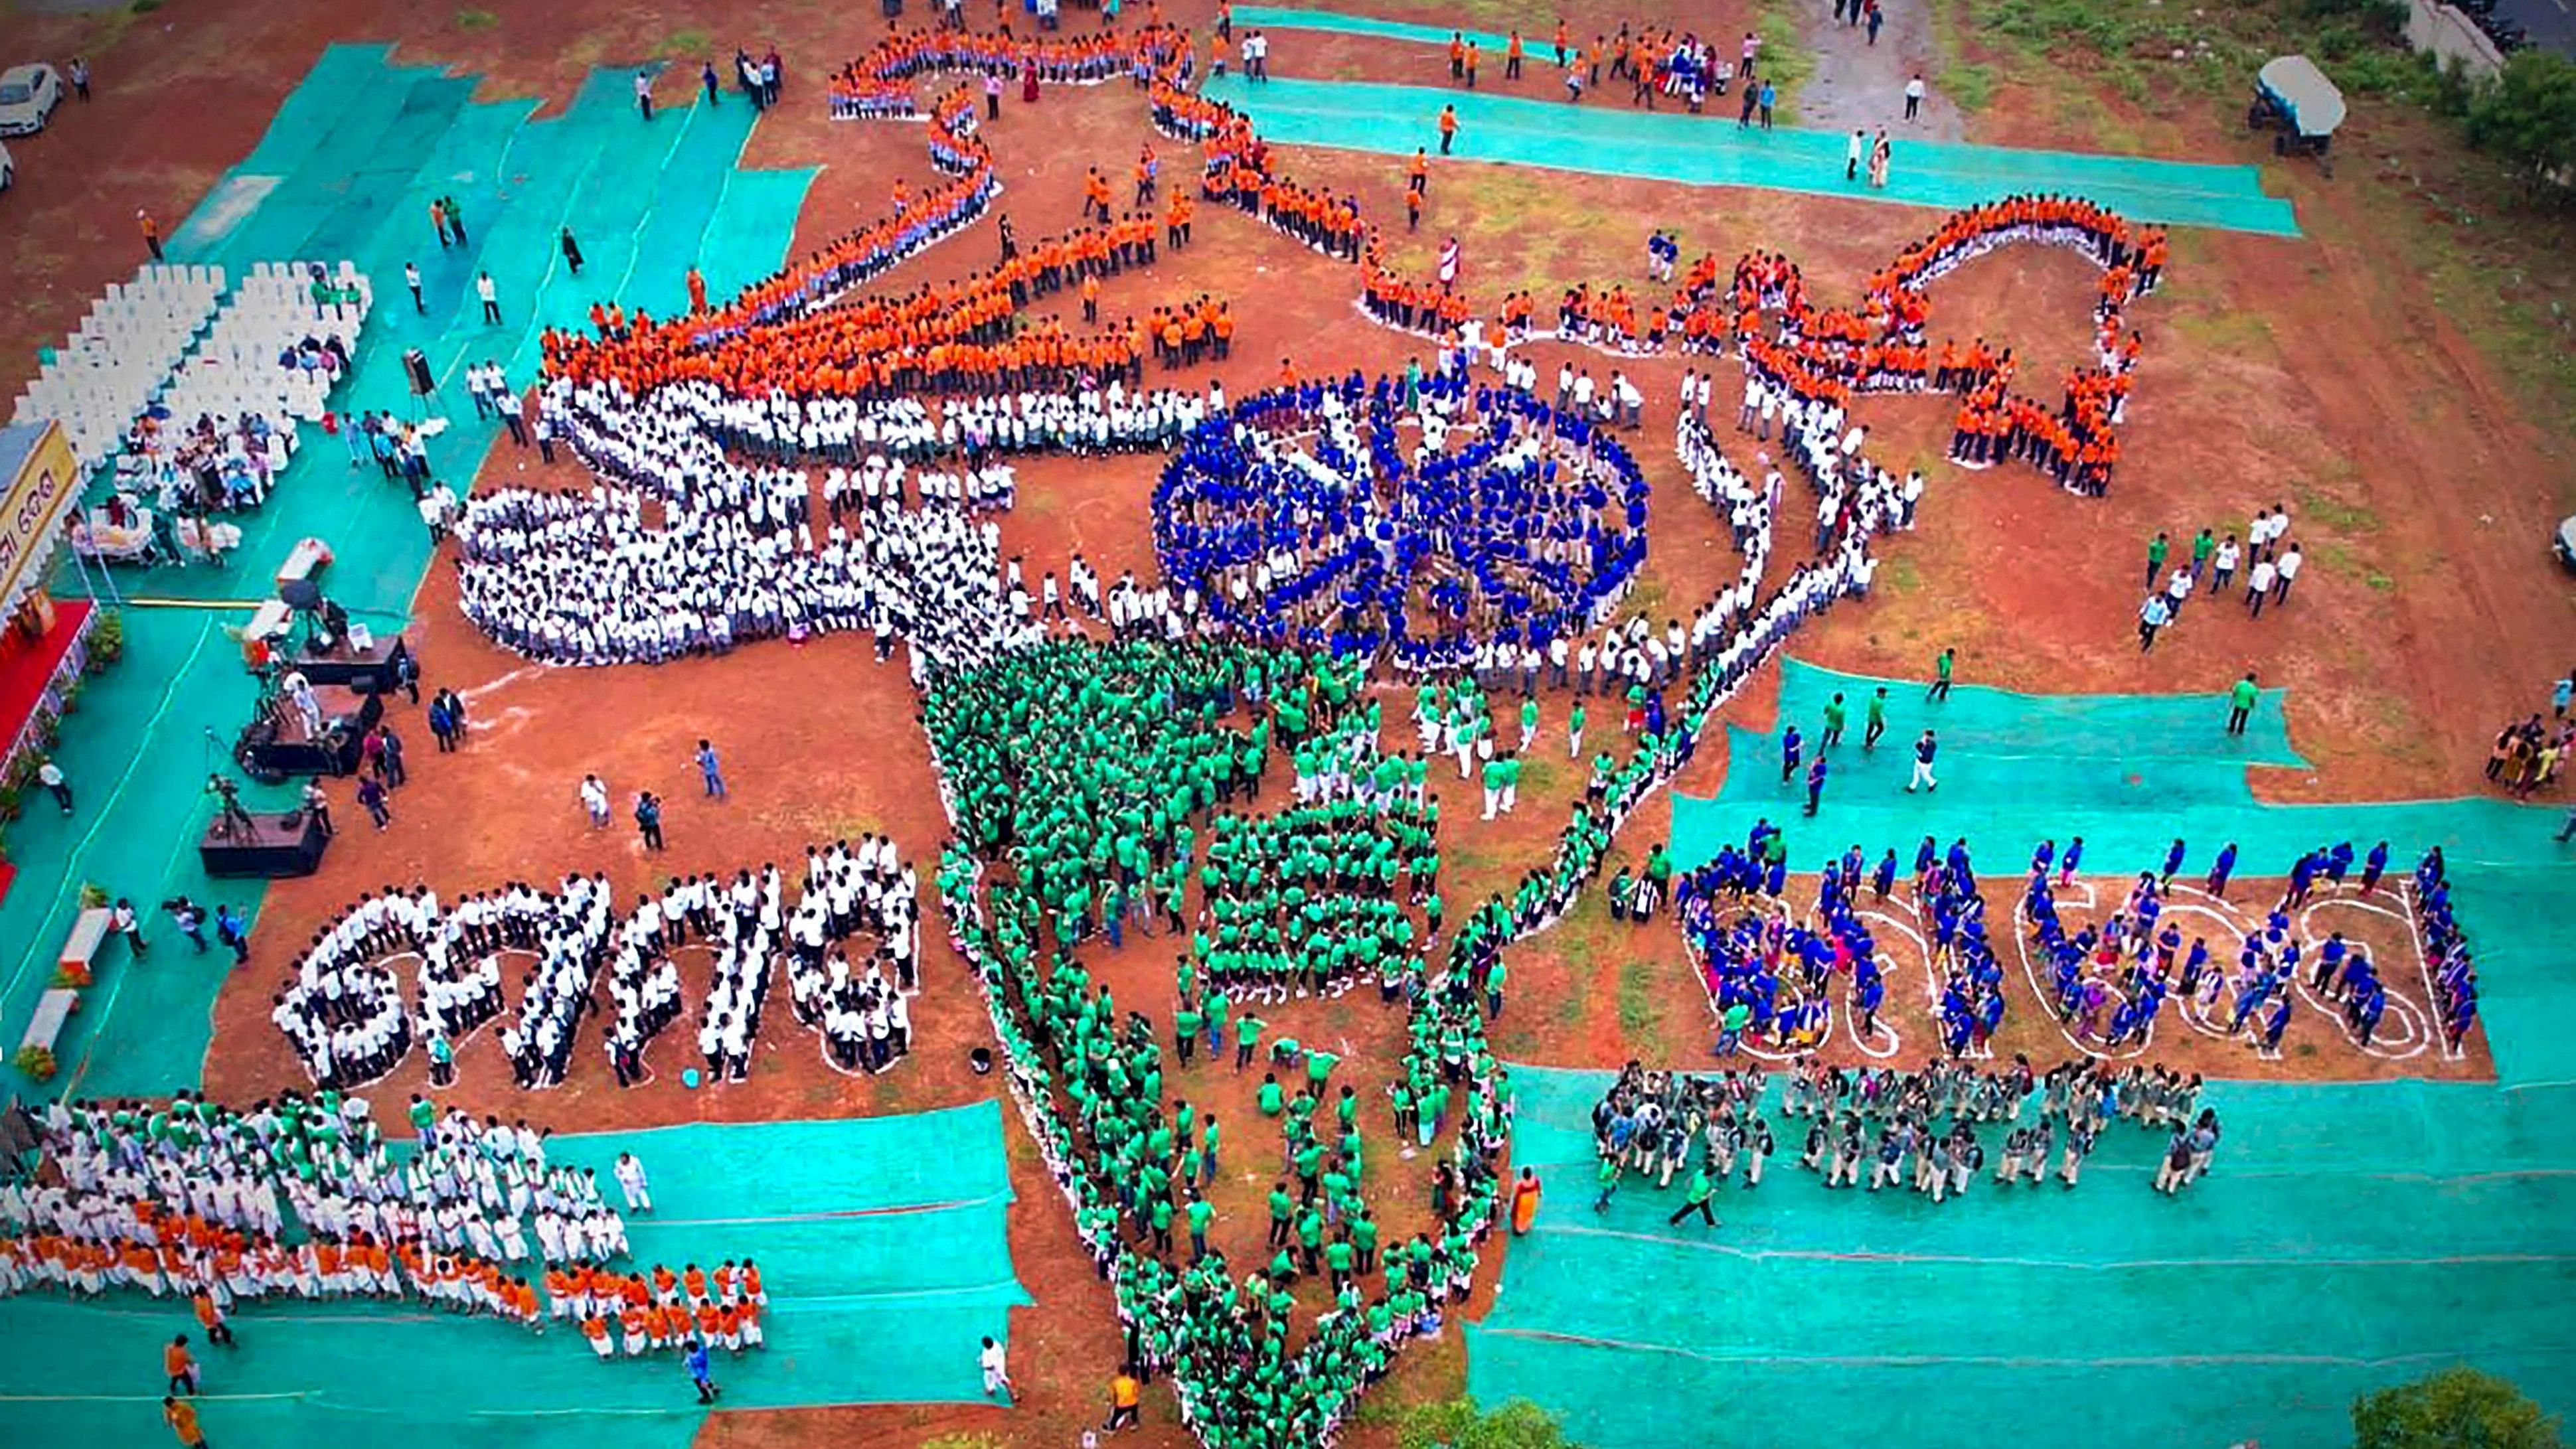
(368, 671)
(276, 846)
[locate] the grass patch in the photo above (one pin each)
(471, 21)
(1786, 62)
(686, 43)
(1900, 576)
(1641, 1016)
(1969, 84)
(145, 7)
(2336, 513)
(2224, 330)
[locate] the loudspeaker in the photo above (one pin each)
(416, 368)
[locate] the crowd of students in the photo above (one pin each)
(298, 1197)
(1772, 979)
(1661, 1125)
(1426, 516)
(343, 1007)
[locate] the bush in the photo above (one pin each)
(106, 639)
(2458, 1406)
(35, 1063)
(71, 976)
(93, 895)
(1459, 1424)
(2528, 117)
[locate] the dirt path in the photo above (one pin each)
(1856, 83)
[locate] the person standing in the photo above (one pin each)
(1448, 138)
(1852, 153)
(181, 1366)
(1525, 1195)
(123, 921)
(318, 805)
(994, 1362)
(571, 250)
(648, 819)
(1941, 668)
(644, 93)
(411, 279)
(2240, 703)
(1877, 721)
(1815, 782)
(151, 232)
(1914, 97)
(2158, 550)
(1770, 97)
(1881, 153)
(79, 72)
(233, 929)
(1924, 749)
(594, 801)
(711, 770)
(50, 775)
(707, 78)
(701, 1373)
(491, 298)
(455, 218)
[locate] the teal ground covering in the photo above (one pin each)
(1610, 139)
(1538, 42)
(881, 1241)
(347, 171)
(2351, 1237)
(2129, 773)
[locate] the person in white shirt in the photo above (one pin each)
(996, 1369)
(2287, 568)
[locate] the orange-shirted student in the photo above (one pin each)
(595, 1329)
(211, 1318)
(181, 1416)
(180, 1365)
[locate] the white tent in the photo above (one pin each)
(2296, 85)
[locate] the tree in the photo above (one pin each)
(2458, 1408)
(2528, 117)
(1459, 1424)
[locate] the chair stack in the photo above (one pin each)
(110, 369)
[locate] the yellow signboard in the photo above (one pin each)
(31, 512)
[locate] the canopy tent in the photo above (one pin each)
(2303, 93)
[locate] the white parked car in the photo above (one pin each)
(28, 95)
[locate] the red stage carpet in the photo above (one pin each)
(24, 672)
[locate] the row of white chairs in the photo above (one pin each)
(125, 346)
(162, 338)
(237, 370)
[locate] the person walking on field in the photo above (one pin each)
(711, 770)
(2240, 703)
(1941, 668)
(491, 298)
(648, 819)
(181, 1416)
(571, 250)
(995, 1364)
(644, 93)
(1448, 138)
(1924, 749)
(1525, 1194)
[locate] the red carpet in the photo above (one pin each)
(28, 668)
(24, 672)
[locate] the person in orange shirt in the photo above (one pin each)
(180, 1365)
(1448, 128)
(211, 1318)
(1124, 1396)
(1512, 58)
(181, 1416)
(595, 1329)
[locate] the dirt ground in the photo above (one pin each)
(2273, 372)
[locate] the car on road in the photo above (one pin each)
(28, 95)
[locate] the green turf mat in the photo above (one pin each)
(2360, 1233)
(700, 1169)
(347, 171)
(882, 1242)
(136, 754)
(2001, 722)
(1712, 151)
(1539, 40)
